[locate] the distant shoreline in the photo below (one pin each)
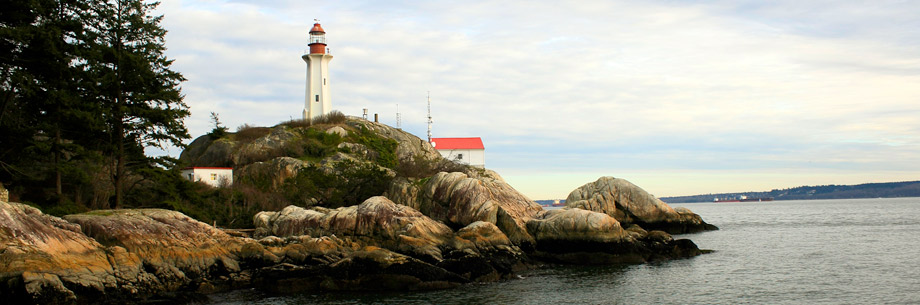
(866, 190)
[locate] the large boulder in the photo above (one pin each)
(573, 235)
(377, 221)
(460, 199)
(630, 204)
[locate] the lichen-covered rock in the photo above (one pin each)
(42, 255)
(376, 221)
(482, 236)
(630, 204)
(159, 250)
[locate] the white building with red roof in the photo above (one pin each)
(463, 150)
(213, 176)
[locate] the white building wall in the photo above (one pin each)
(317, 101)
(474, 157)
(212, 176)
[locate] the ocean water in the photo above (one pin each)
(857, 251)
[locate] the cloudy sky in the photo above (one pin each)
(679, 97)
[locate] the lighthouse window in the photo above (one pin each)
(317, 97)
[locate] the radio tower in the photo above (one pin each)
(398, 120)
(429, 117)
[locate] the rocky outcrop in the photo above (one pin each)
(409, 147)
(460, 199)
(45, 259)
(573, 235)
(110, 255)
(377, 221)
(304, 263)
(630, 204)
(478, 252)
(157, 250)
(209, 151)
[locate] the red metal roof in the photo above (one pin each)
(317, 28)
(457, 143)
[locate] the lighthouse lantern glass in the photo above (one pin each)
(317, 38)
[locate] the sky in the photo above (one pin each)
(678, 97)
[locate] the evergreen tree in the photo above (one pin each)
(41, 113)
(140, 98)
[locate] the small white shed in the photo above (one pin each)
(213, 176)
(463, 150)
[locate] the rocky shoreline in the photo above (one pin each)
(141, 254)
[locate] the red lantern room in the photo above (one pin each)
(317, 39)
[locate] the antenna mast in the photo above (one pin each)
(398, 120)
(429, 117)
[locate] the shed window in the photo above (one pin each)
(213, 176)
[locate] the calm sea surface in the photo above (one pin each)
(858, 251)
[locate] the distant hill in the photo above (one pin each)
(549, 202)
(868, 190)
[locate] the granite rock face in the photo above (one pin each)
(630, 204)
(44, 258)
(161, 250)
(459, 199)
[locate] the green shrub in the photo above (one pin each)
(421, 167)
(385, 147)
(334, 117)
(247, 133)
(355, 183)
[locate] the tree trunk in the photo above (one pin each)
(56, 148)
(118, 117)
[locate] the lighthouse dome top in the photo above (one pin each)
(317, 28)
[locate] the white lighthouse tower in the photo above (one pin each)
(317, 101)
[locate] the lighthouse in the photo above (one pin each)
(317, 101)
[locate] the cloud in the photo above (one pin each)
(561, 86)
